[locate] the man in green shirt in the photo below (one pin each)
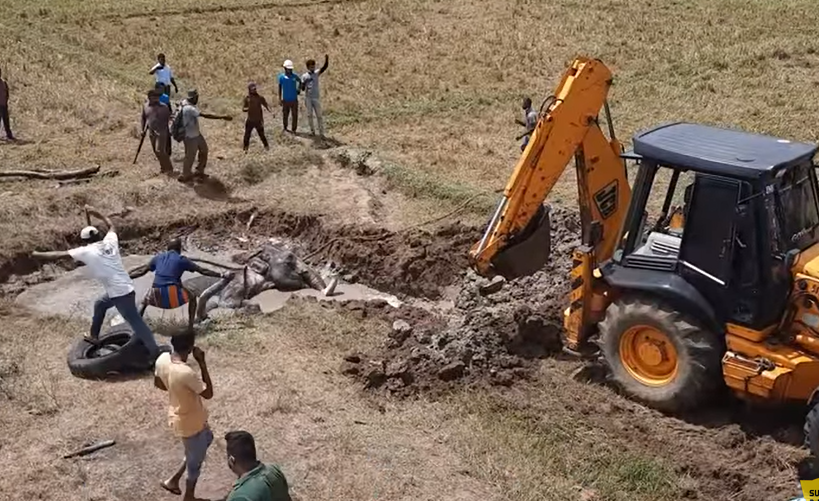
(257, 481)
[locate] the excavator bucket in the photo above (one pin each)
(528, 251)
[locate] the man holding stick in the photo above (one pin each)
(101, 255)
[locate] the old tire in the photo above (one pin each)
(118, 351)
(659, 356)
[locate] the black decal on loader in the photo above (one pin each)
(606, 199)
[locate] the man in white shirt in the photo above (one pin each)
(102, 258)
(164, 75)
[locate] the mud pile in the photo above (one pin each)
(486, 339)
(415, 263)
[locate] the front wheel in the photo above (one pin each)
(659, 356)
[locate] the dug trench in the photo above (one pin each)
(448, 336)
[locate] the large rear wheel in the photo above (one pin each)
(659, 356)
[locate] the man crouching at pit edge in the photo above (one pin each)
(167, 291)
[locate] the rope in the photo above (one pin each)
(213, 263)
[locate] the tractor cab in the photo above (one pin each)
(725, 252)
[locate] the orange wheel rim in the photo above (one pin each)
(648, 355)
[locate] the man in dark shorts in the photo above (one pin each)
(253, 105)
(167, 291)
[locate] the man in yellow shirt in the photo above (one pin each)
(187, 415)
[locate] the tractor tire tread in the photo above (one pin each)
(699, 353)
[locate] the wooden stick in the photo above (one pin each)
(65, 174)
(91, 448)
(213, 263)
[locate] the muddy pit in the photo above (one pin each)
(445, 332)
(442, 334)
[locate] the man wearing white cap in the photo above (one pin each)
(101, 256)
(289, 85)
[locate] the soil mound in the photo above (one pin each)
(488, 338)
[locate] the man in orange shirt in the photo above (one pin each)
(187, 415)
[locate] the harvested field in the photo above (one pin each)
(454, 394)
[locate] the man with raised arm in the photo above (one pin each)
(101, 256)
(187, 414)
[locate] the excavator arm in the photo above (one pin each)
(517, 239)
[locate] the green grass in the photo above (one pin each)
(555, 456)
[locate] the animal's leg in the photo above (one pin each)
(205, 298)
(192, 307)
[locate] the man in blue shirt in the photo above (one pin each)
(167, 291)
(289, 85)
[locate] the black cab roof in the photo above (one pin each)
(719, 151)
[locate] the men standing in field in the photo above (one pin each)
(289, 86)
(164, 75)
(529, 121)
(310, 86)
(187, 415)
(155, 116)
(101, 256)
(253, 105)
(195, 144)
(167, 291)
(4, 107)
(257, 481)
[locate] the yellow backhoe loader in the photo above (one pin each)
(721, 290)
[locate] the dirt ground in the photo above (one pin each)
(455, 395)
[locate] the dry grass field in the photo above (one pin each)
(431, 87)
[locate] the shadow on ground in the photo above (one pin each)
(782, 423)
(214, 189)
